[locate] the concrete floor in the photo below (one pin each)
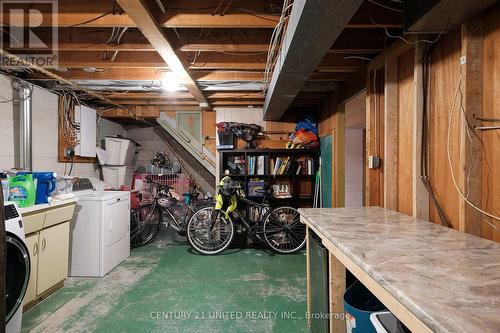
(165, 287)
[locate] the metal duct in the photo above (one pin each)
(24, 108)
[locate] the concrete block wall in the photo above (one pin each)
(151, 142)
(45, 133)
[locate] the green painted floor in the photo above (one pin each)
(164, 287)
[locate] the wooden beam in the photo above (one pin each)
(187, 102)
(185, 95)
(141, 15)
(185, 40)
(391, 106)
(305, 46)
(337, 281)
(395, 50)
(470, 220)
(95, 13)
(205, 60)
(155, 74)
(331, 63)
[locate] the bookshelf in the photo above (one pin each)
(291, 173)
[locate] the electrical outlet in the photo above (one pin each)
(373, 162)
(69, 152)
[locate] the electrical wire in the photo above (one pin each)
(384, 6)
(450, 164)
(91, 20)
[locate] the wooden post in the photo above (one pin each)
(420, 195)
(391, 134)
(470, 174)
(337, 273)
(308, 275)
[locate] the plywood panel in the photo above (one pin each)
(444, 74)
(405, 132)
(491, 109)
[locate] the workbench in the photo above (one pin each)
(433, 278)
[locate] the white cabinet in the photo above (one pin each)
(47, 240)
(53, 257)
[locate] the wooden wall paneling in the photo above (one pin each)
(444, 80)
(491, 109)
(469, 174)
(391, 134)
(405, 132)
(209, 130)
(375, 137)
(420, 195)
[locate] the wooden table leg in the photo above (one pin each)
(337, 273)
(308, 275)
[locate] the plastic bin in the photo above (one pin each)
(386, 322)
(117, 176)
(121, 151)
(359, 304)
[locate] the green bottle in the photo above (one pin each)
(22, 190)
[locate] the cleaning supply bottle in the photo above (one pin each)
(45, 183)
(22, 190)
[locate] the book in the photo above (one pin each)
(261, 165)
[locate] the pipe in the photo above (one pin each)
(25, 128)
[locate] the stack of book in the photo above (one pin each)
(237, 166)
(305, 166)
(256, 165)
(282, 165)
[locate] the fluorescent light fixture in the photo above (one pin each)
(170, 82)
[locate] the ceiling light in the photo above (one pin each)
(170, 82)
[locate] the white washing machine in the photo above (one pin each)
(100, 230)
(18, 268)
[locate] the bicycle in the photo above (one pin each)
(146, 220)
(211, 230)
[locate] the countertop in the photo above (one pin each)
(447, 279)
(54, 203)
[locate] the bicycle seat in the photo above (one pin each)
(195, 195)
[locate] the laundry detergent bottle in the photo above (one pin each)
(22, 190)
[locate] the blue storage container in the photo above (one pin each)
(359, 304)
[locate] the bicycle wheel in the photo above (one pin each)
(206, 240)
(146, 222)
(283, 231)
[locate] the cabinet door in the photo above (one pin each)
(33, 248)
(53, 256)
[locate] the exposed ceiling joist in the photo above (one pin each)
(206, 60)
(304, 40)
(141, 15)
(184, 95)
(151, 74)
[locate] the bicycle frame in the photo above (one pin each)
(253, 233)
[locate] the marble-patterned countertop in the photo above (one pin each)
(447, 279)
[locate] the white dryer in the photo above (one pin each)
(18, 268)
(100, 230)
